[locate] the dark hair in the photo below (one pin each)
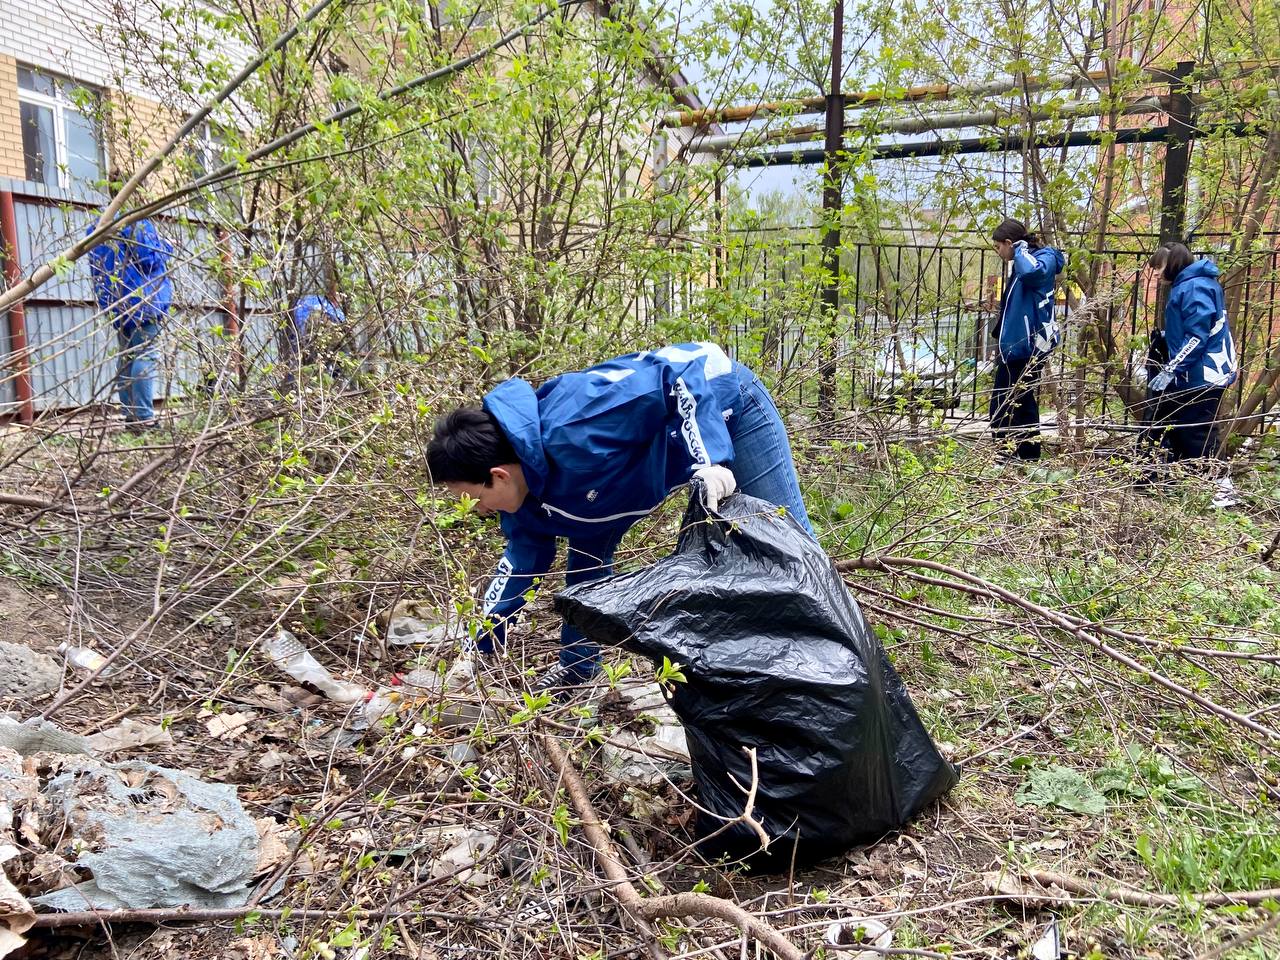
(467, 444)
(1015, 230)
(1159, 257)
(1179, 259)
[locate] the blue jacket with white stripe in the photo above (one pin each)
(600, 448)
(1027, 323)
(1201, 350)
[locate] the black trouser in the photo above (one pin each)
(1015, 407)
(1184, 423)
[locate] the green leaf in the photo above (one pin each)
(1061, 787)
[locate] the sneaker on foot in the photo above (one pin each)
(1225, 495)
(560, 680)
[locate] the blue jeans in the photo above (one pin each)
(763, 467)
(136, 372)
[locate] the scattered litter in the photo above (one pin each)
(226, 726)
(661, 755)
(16, 915)
(856, 931)
(151, 837)
(413, 623)
(469, 847)
(1048, 947)
(419, 687)
(462, 753)
(85, 658)
(127, 734)
(287, 652)
(25, 673)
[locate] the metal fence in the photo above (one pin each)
(913, 331)
(70, 351)
(915, 324)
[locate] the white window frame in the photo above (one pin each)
(209, 148)
(59, 104)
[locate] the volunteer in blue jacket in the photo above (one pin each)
(1027, 332)
(1201, 364)
(589, 453)
(314, 330)
(131, 282)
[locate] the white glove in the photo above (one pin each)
(1020, 245)
(717, 482)
(1160, 381)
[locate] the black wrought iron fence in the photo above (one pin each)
(914, 330)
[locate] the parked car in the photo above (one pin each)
(923, 372)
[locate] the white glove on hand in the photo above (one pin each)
(1160, 381)
(717, 482)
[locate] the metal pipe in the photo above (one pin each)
(832, 208)
(19, 356)
(937, 121)
(930, 91)
(1177, 155)
(999, 144)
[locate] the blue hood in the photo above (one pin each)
(514, 405)
(1199, 268)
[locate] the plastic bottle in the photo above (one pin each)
(287, 652)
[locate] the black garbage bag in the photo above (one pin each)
(777, 657)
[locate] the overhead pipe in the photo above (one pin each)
(938, 121)
(998, 144)
(930, 91)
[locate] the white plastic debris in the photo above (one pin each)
(1049, 946)
(287, 652)
(413, 623)
(860, 930)
(85, 658)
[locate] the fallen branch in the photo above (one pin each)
(1141, 898)
(653, 908)
(1080, 629)
(1235, 943)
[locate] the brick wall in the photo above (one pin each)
(11, 163)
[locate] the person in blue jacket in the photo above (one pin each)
(1027, 332)
(131, 283)
(312, 332)
(1201, 365)
(587, 454)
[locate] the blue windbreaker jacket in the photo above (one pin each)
(131, 275)
(601, 448)
(306, 306)
(1027, 323)
(1201, 350)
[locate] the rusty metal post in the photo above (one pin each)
(19, 356)
(229, 308)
